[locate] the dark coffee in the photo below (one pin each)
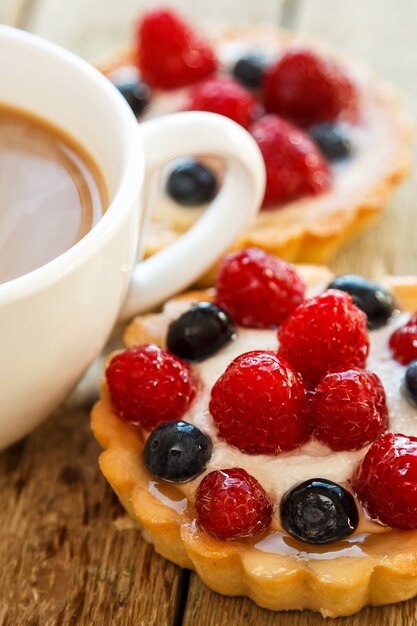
(51, 192)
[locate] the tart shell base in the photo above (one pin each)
(386, 572)
(274, 570)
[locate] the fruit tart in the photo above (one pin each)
(264, 434)
(334, 137)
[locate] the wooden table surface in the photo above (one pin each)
(68, 553)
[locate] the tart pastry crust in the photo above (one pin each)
(276, 571)
(311, 229)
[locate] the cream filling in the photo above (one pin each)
(312, 460)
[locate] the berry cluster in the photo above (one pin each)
(294, 164)
(261, 406)
(149, 386)
(324, 333)
(386, 481)
(314, 384)
(403, 342)
(293, 106)
(169, 53)
(261, 403)
(350, 409)
(231, 504)
(257, 289)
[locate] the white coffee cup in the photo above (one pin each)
(55, 320)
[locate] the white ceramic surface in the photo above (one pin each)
(55, 320)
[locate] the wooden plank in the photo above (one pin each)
(90, 27)
(69, 553)
(209, 608)
(12, 12)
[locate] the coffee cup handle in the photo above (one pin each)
(175, 267)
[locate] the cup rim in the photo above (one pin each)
(120, 204)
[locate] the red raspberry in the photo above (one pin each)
(226, 97)
(350, 409)
(403, 342)
(170, 54)
(386, 481)
(231, 504)
(260, 404)
(294, 165)
(307, 88)
(257, 289)
(149, 386)
(324, 333)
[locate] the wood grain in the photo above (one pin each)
(14, 12)
(209, 608)
(69, 555)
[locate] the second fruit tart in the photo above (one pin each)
(334, 137)
(265, 434)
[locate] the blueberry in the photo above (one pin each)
(410, 381)
(176, 452)
(200, 332)
(192, 183)
(249, 70)
(378, 303)
(136, 93)
(319, 511)
(332, 139)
